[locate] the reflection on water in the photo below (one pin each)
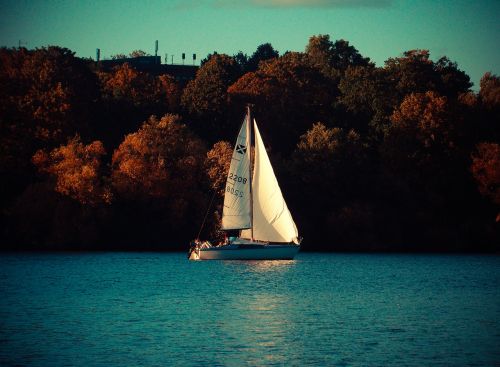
(260, 322)
(260, 265)
(259, 317)
(318, 310)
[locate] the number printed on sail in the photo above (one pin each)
(237, 178)
(238, 193)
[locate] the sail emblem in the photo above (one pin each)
(240, 148)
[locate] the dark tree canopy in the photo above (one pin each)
(264, 52)
(415, 72)
(289, 94)
(405, 156)
(207, 93)
(333, 58)
(47, 96)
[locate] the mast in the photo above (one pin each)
(249, 134)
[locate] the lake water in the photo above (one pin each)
(159, 309)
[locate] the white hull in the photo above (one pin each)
(245, 252)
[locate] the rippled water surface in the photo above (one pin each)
(155, 309)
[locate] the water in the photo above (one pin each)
(152, 309)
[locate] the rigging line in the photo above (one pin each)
(206, 214)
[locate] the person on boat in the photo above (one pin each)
(225, 241)
(192, 247)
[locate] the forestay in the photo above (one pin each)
(272, 220)
(236, 212)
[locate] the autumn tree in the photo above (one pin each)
(127, 84)
(129, 96)
(77, 171)
(487, 112)
(47, 91)
(208, 57)
(486, 171)
(162, 158)
(47, 95)
(424, 131)
(66, 208)
(217, 165)
(489, 92)
(157, 176)
(169, 92)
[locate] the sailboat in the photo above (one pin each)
(254, 206)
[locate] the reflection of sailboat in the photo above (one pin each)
(253, 204)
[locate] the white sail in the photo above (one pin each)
(272, 220)
(236, 213)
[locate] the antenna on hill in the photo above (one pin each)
(21, 42)
(156, 48)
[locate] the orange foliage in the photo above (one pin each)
(321, 146)
(427, 117)
(486, 170)
(490, 90)
(128, 84)
(169, 91)
(77, 170)
(48, 92)
(217, 164)
(288, 80)
(162, 158)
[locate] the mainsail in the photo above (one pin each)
(272, 220)
(236, 213)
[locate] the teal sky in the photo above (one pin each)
(468, 32)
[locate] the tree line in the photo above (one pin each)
(399, 157)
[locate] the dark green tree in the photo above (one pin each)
(242, 60)
(205, 97)
(333, 58)
(263, 52)
(327, 166)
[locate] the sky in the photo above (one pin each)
(467, 32)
